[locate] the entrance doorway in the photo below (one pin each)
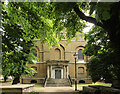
(57, 74)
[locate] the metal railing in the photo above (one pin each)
(70, 80)
(45, 81)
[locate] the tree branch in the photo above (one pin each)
(86, 18)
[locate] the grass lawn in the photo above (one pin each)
(97, 83)
(80, 85)
(38, 85)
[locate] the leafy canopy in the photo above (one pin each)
(104, 62)
(25, 21)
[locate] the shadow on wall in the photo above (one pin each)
(33, 81)
(81, 81)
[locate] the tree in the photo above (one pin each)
(15, 48)
(46, 20)
(107, 18)
(104, 62)
(20, 26)
(21, 23)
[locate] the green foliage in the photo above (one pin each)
(22, 22)
(104, 61)
(46, 21)
(65, 16)
(97, 41)
(38, 85)
(14, 64)
(33, 92)
(102, 10)
(92, 7)
(99, 68)
(33, 18)
(16, 48)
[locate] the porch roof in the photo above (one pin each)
(57, 61)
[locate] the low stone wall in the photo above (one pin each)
(89, 90)
(17, 89)
(28, 80)
(87, 81)
(100, 90)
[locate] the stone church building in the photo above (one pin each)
(59, 62)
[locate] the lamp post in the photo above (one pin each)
(75, 56)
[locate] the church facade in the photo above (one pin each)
(59, 62)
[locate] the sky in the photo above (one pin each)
(89, 26)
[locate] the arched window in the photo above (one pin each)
(80, 69)
(62, 52)
(80, 55)
(34, 51)
(81, 81)
(57, 53)
(33, 81)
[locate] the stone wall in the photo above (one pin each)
(28, 80)
(17, 89)
(66, 50)
(41, 69)
(100, 90)
(63, 52)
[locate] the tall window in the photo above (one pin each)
(34, 51)
(80, 55)
(57, 53)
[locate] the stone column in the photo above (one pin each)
(50, 71)
(67, 72)
(48, 74)
(64, 72)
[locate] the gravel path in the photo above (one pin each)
(49, 89)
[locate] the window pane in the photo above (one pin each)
(80, 55)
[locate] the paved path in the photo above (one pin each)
(55, 89)
(49, 89)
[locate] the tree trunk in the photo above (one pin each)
(16, 80)
(5, 78)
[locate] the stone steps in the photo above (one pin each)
(57, 82)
